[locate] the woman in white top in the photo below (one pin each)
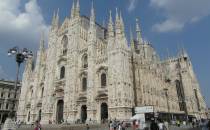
(161, 125)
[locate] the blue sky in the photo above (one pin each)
(167, 24)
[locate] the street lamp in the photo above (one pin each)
(21, 55)
(166, 94)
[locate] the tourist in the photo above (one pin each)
(153, 125)
(119, 126)
(134, 125)
(166, 126)
(193, 124)
(203, 125)
(208, 125)
(160, 125)
(110, 125)
(123, 125)
(178, 123)
(87, 127)
(114, 124)
(37, 126)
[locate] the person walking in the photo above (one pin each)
(208, 125)
(110, 125)
(160, 125)
(115, 124)
(87, 127)
(154, 125)
(166, 126)
(37, 125)
(123, 125)
(119, 126)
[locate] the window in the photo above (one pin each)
(8, 95)
(103, 80)
(84, 84)
(42, 92)
(29, 116)
(31, 93)
(62, 73)
(7, 106)
(85, 61)
(64, 42)
(2, 94)
(0, 105)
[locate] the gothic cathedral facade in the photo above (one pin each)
(90, 72)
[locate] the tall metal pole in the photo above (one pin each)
(166, 94)
(16, 82)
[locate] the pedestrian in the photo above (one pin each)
(134, 125)
(193, 124)
(37, 125)
(160, 125)
(154, 125)
(87, 127)
(115, 124)
(203, 125)
(208, 125)
(123, 125)
(178, 123)
(166, 126)
(119, 126)
(110, 125)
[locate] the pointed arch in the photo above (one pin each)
(103, 80)
(62, 72)
(84, 83)
(64, 43)
(85, 61)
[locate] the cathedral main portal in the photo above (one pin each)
(59, 116)
(83, 113)
(104, 111)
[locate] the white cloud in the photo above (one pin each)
(132, 5)
(179, 13)
(19, 27)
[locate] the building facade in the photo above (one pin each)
(8, 99)
(89, 72)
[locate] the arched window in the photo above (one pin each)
(62, 73)
(64, 42)
(29, 114)
(32, 93)
(42, 92)
(103, 80)
(85, 61)
(7, 106)
(84, 84)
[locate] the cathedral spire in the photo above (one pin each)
(41, 46)
(92, 17)
(138, 32)
(77, 10)
(110, 25)
(122, 25)
(53, 18)
(56, 20)
(132, 43)
(117, 23)
(73, 10)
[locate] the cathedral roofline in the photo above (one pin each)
(84, 16)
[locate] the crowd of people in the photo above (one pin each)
(157, 124)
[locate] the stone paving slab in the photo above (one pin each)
(83, 127)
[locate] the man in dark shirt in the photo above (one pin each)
(154, 125)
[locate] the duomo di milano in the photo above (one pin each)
(90, 72)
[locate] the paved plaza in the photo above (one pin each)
(92, 127)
